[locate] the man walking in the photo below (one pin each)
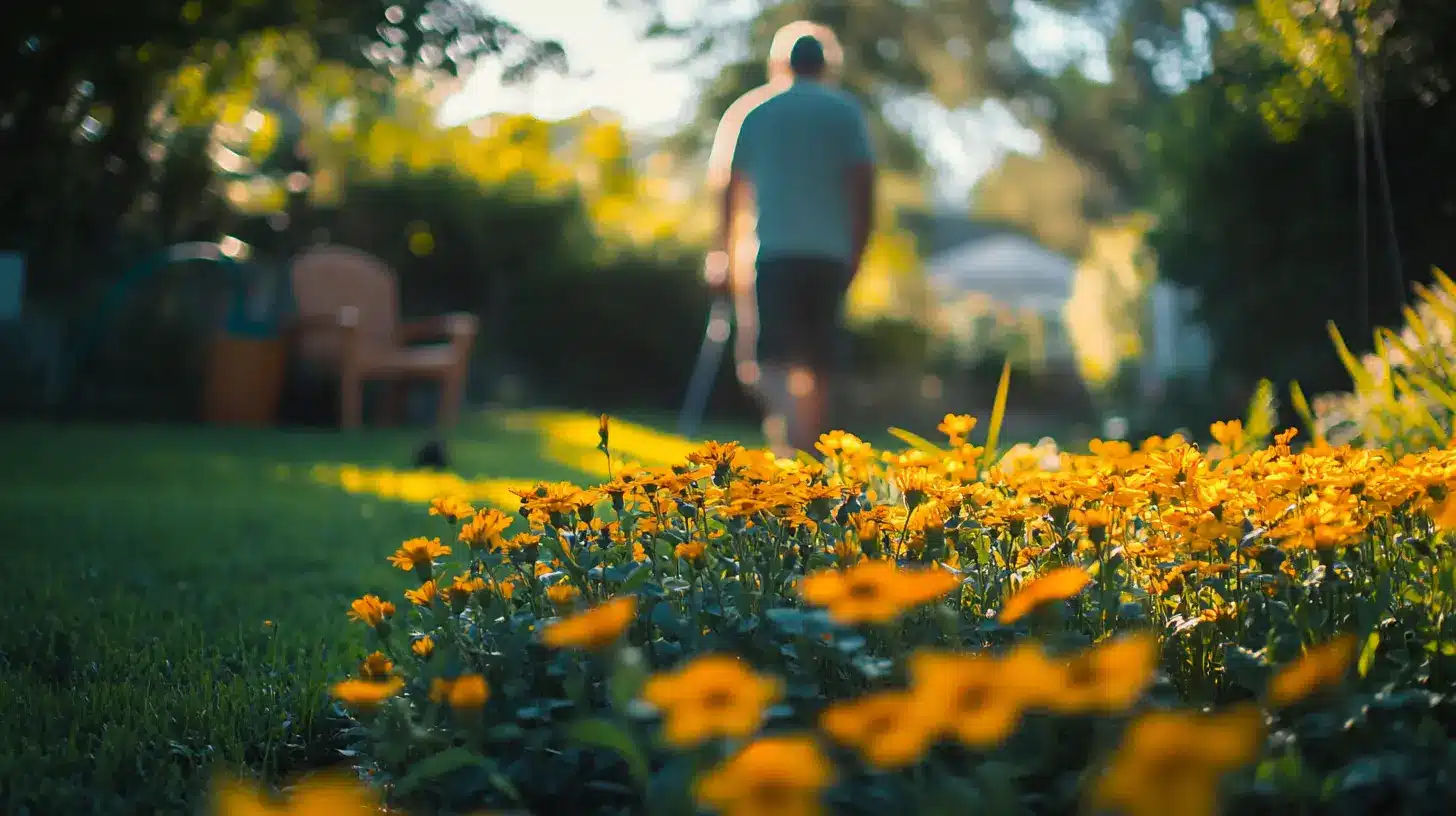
(798, 148)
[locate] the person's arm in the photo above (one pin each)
(861, 187)
(725, 180)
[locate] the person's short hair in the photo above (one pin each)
(804, 47)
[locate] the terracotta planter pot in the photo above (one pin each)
(244, 380)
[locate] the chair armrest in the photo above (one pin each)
(345, 320)
(344, 323)
(457, 327)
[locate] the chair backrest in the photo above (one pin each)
(327, 279)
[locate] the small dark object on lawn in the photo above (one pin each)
(432, 456)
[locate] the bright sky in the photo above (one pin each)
(612, 68)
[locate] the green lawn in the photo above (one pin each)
(141, 568)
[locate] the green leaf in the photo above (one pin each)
(998, 412)
(437, 767)
(1301, 407)
(605, 734)
(1263, 413)
(628, 675)
(1358, 374)
(916, 441)
(636, 579)
(1367, 653)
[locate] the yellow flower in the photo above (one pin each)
(873, 591)
(424, 596)
(1443, 514)
(423, 647)
(330, 794)
(593, 628)
(465, 691)
(366, 693)
(957, 427)
(485, 530)
(419, 554)
(711, 696)
(371, 610)
(1229, 434)
(715, 454)
(691, 550)
(562, 594)
(1172, 762)
(1321, 666)
(463, 586)
(771, 776)
(377, 666)
(1056, 585)
(966, 696)
(889, 729)
(1108, 678)
(452, 508)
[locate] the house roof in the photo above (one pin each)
(965, 256)
(937, 232)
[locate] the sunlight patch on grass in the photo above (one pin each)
(570, 439)
(566, 440)
(420, 487)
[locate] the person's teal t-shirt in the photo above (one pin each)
(796, 149)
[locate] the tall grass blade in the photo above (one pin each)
(1301, 407)
(998, 413)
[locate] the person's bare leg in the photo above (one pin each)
(779, 408)
(810, 404)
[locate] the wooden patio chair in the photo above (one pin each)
(348, 321)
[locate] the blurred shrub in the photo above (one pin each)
(1404, 392)
(888, 344)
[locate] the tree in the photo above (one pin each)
(1260, 208)
(962, 52)
(79, 83)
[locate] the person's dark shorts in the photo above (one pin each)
(800, 310)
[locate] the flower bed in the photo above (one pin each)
(1159, 630)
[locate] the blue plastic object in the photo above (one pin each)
(241, 320)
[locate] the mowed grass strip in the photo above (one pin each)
(175, 601)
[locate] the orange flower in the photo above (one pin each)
(424, 596)
(485, 530)
(367, 693)
(465, 691)
(377, 666)
(771, 776)
(711, 696)
(371, 610)
(334, 794)
(889, 729)
(419, 554)
(873, 591)
(593, 628)
(1108, 678)
(562, 594)
(1056, 585)
(1321, 666)
(452, 508)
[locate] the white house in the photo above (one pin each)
(998, 275)
(977, 270)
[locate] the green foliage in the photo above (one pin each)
(87, 89)
(1225, 178)
(1403, 395)
(1301, 597)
